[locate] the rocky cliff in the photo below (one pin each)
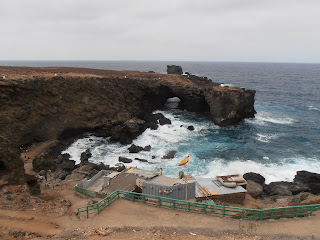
(38, 104)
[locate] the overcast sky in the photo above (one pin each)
(189, 30)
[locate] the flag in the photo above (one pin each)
(184, 161)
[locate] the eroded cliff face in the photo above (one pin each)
(38, 104)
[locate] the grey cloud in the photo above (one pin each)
(233, 30)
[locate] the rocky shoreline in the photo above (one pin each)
(40, 104)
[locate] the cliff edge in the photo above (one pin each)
(38, 104)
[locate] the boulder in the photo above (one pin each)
(254, 189)
(191, 128)
(169, 155)
(164, 121)
(119, 167)
(132, 126)
(174, 69)
(135, 149)
(151, 125)
(312, 180)
(153, 117)
(141, 160)
(285, 188)
(67, 165)
(147, 148)
(84, 158)
(307, 177)
(125, 160)
(255, 177)
(277, 188)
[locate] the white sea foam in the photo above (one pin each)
(267, 137)
(171, 137)
(285, 170)
(263, 118)
(312, 108)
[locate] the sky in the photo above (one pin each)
(178, 30)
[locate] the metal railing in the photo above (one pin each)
(206, 208)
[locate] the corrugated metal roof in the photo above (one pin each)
(167, 181)
(142, 173)
(207, 186)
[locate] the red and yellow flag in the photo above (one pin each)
(184, 161)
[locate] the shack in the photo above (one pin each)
(163, 186)
(214, 189)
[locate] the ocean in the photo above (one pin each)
(284, 136)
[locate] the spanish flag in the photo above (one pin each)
(184, 161)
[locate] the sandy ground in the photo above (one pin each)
(52, 215)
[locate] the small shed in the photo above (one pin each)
(213, 189)
(167, 187)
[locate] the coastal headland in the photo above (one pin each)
(41, 104)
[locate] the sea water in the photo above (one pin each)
(284, 136)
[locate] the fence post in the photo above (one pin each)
(132, 197)
(87, 212)
(297, 212)
(98, 208)
(189, 206)
(311, 211)
(261, 215)
(159, 201)
(205, 209)
(224, 211)
(118, 194)
(144, 199)
(284, 212)
(174, 205)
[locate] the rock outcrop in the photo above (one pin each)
(174, 69)
(38, 104)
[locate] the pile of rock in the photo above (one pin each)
(304, 182)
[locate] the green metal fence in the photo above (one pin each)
(84, 191)
(236, 212)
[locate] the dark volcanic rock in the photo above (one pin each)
(119, 167)
(125, 160)
(191, 128)
(116, 133)
(174, 69)
(151, 125)
(255, 177)
(141, 160)
(254, 189)
(170, 155)
(125, 139)
(135, 149)
(68, 165)
(84, 158)
(277, 188)
(164, 121)
(147, 148)
(307, 177)
(37, 106)
(312, 180)
(314, 188)
(153, 117)
(284, 188)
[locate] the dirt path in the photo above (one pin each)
(34, 151)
